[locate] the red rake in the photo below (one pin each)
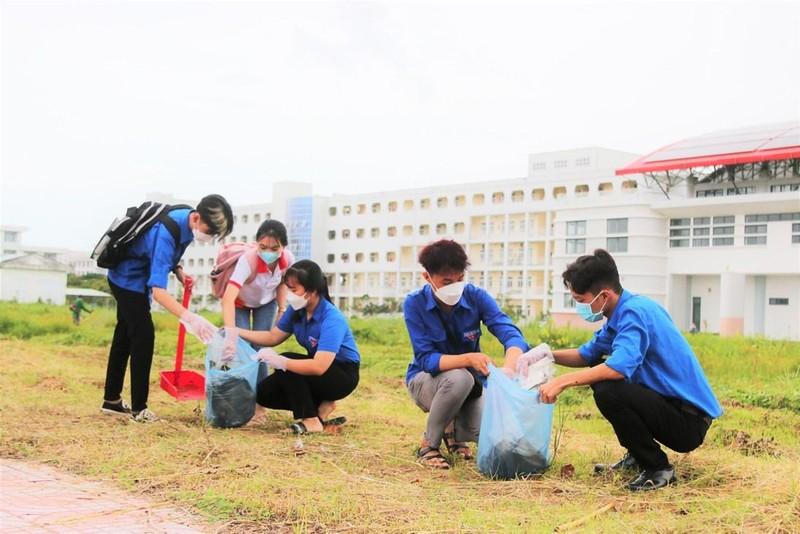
(183, 385)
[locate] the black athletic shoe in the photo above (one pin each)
(627, 463)
(116, 408)
(653, 479)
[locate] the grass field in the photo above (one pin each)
(745, 478)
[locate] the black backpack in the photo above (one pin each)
(110, 250)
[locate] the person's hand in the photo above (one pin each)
(273, 359)
(198, 326)
(549, 392)
(537, 353)
(508, 371)
(231, 340)
(480, 362)
(188, 282)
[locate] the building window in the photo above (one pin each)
(361, 209)
(346, 210)
(605, 188)
(755, 240)
(539, 166)
(795, 232)
(331, 234)
(498, 197)
(617, 244)
(709, 193)
(441, 202)
(559, 192)
(576, 227)
(576, 246)
(425, 203)
(779, 302)
(373, 257)
(680, 222)
(391, 231)
(424, 229)
(345, 257)
(617, 226)
(408, 230)
(701, 231)
(191, 263)
(257, 217)
(331, 258)
(772, 217)
(582, 162)
(569, 302)
(374, 232)
(408, 205)
(441, 229)
(359, 233)
(461, 200)
(629, 186)
(201, 262)
(359, 257)
(244, 219)
(392, 206)
(459, 228)
(390, 256)
(782, 188)
(376, 207)
(477, 199)
(744, 190)
(332, 211)
(537, 194)
(700, 221)
(703, 242)
(345, 234)
(560, 164)
(678, 243)
(581, 190)
(517, 196)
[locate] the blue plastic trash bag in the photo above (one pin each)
(515, 429)
(230, 386)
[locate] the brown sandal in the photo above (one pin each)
(458, 448)
(432, 458)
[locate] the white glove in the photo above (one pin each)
(273, 359)
(537, 353)
(231, 340)
(198, 326)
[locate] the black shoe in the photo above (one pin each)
(627, 463)
(116, 408)
(653, 479)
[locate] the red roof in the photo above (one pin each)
(745, 145)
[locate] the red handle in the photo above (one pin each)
(187, 296)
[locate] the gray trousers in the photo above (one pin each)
(443, 397)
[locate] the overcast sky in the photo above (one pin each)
(104, 102)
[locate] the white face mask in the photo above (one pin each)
(201, 237)
(449, 294)
(297, 302)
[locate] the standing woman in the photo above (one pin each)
(308, 384)
(254, 304)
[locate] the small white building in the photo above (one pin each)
(33, 278)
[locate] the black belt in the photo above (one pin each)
(688, 408)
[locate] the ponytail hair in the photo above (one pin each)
(309, 275)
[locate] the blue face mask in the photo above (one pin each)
(269, 256)
(585, 310)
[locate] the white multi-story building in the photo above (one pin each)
(76, 262)
(722, 254)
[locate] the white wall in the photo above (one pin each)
(31, 285)
(707, 288)
(783, 321)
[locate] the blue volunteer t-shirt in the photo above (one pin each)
(428, 327)
(327, 330)
(152, 255)
(644, 345)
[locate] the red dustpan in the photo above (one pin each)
(183, 385)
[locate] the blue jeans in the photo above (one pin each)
(262, 319)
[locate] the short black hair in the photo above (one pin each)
(309, 275)
(215, 211)
(592, 272)
(443, 257)
(274, 229)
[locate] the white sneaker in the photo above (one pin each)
(145, 416)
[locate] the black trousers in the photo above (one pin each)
(641, 417)
(302, 394)
(134, 337)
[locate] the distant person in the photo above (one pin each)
(144, 273)
(76, 308)
(253, 301)
(308, 384)
(647, 381)
(445, 375)
(692, 328)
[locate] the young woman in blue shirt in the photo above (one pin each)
(446, 374)
(308, 384)
(647, 381)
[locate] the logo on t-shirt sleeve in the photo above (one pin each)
(313, 341)
(472, 335)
